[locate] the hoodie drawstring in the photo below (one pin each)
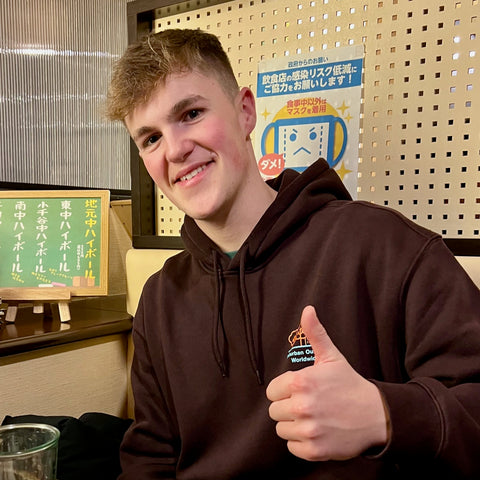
(218, 352)
(218, 333)
(248, 320)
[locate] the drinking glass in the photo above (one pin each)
(28, 451)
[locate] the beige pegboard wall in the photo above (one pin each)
(420, 140)
(169, 217)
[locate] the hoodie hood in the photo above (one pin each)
(299, 195)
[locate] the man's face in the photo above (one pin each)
(193, 140)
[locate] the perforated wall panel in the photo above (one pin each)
(420, 136)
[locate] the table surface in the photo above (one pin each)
(91, 317)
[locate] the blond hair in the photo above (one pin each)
(147, 63)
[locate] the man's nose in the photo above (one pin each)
(177, 146)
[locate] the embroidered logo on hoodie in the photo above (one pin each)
(301, 351)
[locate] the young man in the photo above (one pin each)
(300, 335)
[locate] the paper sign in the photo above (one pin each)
(309, 107)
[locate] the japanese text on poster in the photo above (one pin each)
(309, 107)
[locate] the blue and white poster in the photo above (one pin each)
(308, 106)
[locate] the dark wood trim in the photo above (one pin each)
(143, 196)
(157, 241)
(468, 247)
(142, 6)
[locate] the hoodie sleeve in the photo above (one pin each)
(148, 448)
(436, 415)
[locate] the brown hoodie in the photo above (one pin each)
(211, 332)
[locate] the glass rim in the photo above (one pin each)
(39, 448)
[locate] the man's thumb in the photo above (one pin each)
(322, 346)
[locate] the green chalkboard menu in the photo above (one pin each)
(55, 239)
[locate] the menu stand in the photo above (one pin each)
(37, 296)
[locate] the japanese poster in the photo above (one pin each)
(54, 239)
(308, 106)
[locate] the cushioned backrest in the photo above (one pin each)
(140, 264)
(472, 266)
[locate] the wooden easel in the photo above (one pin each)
(38, 296)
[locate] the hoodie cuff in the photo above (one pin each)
(416, 425)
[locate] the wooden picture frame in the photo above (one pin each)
(54, 238)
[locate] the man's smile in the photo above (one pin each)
(192, 173)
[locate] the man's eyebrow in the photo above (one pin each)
(141, 132)
(184, 104)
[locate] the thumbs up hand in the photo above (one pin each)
(326, 411)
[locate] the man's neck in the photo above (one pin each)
(231, 232)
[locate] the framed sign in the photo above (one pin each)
(54, 238)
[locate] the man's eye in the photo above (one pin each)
(152, 140)
(192, 114)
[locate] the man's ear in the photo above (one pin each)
(247, 110)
